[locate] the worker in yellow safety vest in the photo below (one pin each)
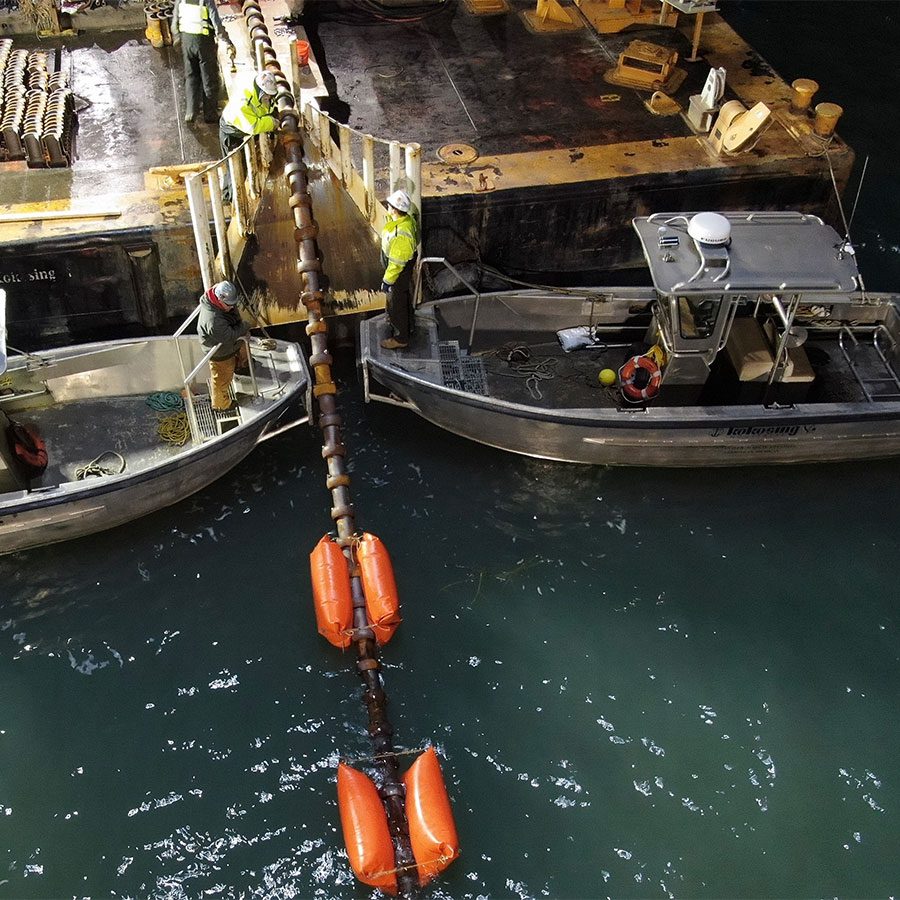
(195, 25)
(399, 245)
(250, 110)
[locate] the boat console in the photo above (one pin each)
(734, 282)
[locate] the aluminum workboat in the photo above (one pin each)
(82, 450)
(756, 344)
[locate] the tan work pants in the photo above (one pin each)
(221, 372)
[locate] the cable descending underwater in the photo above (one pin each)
(400, 833)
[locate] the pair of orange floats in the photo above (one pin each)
(432, 831)
(333, 596)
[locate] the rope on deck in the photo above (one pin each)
(94, 469)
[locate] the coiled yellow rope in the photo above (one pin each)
(174, 428)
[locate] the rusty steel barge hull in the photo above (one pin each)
(563, 160)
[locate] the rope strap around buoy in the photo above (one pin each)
(163, 401)
(438, 859)
(93, 468)
(362, 759)
(174, 428)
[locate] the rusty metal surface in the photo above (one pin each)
(347, 246)
(492, 83)
(487, 81)
(564, 159)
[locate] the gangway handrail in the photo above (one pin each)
(216, 163)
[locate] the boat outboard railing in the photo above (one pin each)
(890, 377)
(451, 268)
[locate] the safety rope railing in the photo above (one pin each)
(309, 267)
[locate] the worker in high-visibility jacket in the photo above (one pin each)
(196, 25)
(399, 245)
(250, 110)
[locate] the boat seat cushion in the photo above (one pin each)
(749, 350)
(798, 369)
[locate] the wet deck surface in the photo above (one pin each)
(130, 100)
(489, 81)
(533, 369)
(347, 245)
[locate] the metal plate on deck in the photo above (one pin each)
(460, 372)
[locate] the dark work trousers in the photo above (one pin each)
(399, 303)
(230, 138)
(201, 75)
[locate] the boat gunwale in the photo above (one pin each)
(661, 417)
(64, 493)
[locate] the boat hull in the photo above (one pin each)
(106, 503)
(687, 437)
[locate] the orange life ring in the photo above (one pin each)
(29, 448)
(628, 378)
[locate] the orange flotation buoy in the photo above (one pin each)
(379, 586)
(365, 826)
(331, 592)
(432, 831)
(640, 378)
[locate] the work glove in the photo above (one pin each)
(385, 287)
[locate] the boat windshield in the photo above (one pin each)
(697, 316)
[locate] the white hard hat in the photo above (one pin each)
(400, 201)
(226, 292)
(266, 82)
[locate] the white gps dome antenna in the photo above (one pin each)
(710, 228)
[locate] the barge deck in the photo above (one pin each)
(534, 163)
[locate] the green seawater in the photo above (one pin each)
(642, 683)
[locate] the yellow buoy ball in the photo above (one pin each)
(607, 377)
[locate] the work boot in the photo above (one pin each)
(392, 343)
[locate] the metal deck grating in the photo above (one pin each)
(209, 420)
(460, 372)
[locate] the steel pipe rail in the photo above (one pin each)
(309, 267)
